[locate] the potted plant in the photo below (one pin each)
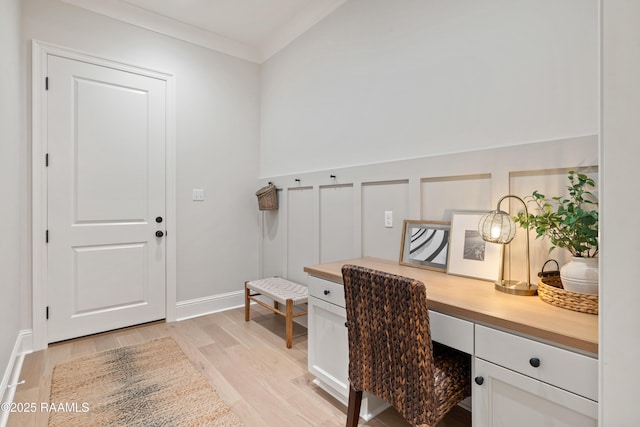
(570, 222)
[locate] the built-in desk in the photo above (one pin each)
(506, 335)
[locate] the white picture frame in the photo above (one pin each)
(469, 255)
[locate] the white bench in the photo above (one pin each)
(281, 291)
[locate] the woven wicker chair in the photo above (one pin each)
(390, 350)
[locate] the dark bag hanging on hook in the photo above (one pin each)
(267, 198)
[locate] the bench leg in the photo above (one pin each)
(247, 303)
(289, 322)
(276, 305)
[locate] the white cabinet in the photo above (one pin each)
(527, 383)
(541, 373)
(328, 355)
(561, 391)
(507, 398)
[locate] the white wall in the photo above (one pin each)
(217, 115)
(11, 139)
(382, 80)
(620, 151)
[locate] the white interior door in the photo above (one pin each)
(106, 138)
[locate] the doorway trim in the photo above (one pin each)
(39, 185)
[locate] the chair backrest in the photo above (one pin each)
(390, 348)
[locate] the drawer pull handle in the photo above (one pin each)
(327, 292)
(534, 361)
(346, 325)
(479, 380)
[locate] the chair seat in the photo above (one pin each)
(451, 377)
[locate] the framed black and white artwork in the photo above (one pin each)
(469, 255)
(425, 244)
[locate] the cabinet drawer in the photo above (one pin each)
(565, 369)
(327, 291)
(451, 331)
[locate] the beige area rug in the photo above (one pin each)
(150, 384)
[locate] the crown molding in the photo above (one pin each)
(134, 15)
(126, 12)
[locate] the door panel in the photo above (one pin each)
(106, 186)
(111, 142)
(109, 277)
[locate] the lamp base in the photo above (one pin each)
(515, 287)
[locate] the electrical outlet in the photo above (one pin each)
(388, 219)
(198, 194)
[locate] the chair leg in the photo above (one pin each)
(353, 411)
(289, 322)
(247, 303)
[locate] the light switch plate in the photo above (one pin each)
(198, 194)
(388, 219)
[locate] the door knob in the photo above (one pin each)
(158, 219)
(159, 233)
(479, 380)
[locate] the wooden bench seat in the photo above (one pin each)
(281, 291)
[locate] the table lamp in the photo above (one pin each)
(498, 227)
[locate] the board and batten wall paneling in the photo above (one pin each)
(336, 223)
(550, 182)
(301, 236)
(325, 221)
(442, 195)
(272, 241)
(377, 198)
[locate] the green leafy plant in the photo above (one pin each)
(569, 222)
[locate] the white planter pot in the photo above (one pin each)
(580, 275)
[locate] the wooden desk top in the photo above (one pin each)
(478, 301)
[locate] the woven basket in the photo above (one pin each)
(550, 292)
(267, 198)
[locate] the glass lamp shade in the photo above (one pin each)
(497, 227)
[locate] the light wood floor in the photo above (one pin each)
(247, 363)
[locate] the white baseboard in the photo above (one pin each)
(216, 303)
(207, 305)
(22, 346)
